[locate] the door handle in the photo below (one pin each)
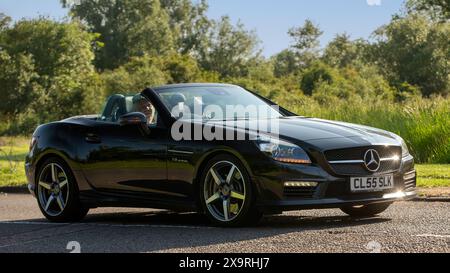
(93, 138)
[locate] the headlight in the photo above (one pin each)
(405, 150)
(33, 142)
(283, 151)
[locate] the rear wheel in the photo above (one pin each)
(57, 192)
(226, 193)
(366, 210)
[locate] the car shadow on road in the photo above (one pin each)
(167, 218)
(163, 231)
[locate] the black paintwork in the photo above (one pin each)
(126, 166)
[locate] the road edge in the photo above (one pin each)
(431, 199)
(16, 190)
(24, 190)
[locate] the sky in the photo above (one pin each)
(271, 19)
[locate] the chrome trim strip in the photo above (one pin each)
(362, 161)
(180, 152)
(346, 162)
(394, 158)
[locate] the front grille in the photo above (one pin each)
(358, 154)
(299, 192)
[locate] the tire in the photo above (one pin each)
(370, 210)
(220, 192)
(57, 192)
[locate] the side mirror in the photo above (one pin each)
(135, 118)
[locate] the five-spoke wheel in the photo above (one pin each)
(226, 192)
(57, 192)
(53, 190)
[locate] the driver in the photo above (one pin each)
(141, 104)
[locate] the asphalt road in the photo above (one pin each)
(405, 227)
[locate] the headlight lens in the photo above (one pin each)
(33, 142)
(283, 151)
(405, 150)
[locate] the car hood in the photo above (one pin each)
(325, 132)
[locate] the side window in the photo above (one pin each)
(143, 105)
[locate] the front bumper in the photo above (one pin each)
(286, 205)
(30, 174)
(332, 191)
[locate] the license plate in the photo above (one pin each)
(373, 183)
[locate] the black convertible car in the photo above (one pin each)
(150, 150)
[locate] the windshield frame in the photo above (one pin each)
(170, 88)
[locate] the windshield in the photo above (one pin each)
(215, 103)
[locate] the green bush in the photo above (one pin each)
(46, 73)
(316, 75)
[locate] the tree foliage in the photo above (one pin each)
(435, 9)
(127, 28)
(145, 71)
(286, 62)
(306, 42)
(18, 87)
(342, 52)
(189, 23)
(52, 70)
(4, 21)
(305, 37)
(47, 67)
(229, 49)
(415, 50)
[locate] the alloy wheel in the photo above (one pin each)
(224, 191)
(53, 189)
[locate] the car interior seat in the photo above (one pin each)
(176, 99)
(115, 108)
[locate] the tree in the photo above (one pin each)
(435, 9)
(286, 62)
(189, 23)
(306, 42)
(148, 71)
(415, 50)
(56, 57)
(342, 52)
(181, 68)
(127, 28)
(305, 37)
(134, 76)
(18, 86)
(229, 48)
(4, 21)
(318, 73)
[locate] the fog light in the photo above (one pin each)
(300, 184)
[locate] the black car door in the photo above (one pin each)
(126, 159)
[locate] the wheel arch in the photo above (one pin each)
(59, 140)
(45, 157)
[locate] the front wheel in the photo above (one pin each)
(57, 192)
(226, 193)
(366, 210)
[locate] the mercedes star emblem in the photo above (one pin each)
(372, 160)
